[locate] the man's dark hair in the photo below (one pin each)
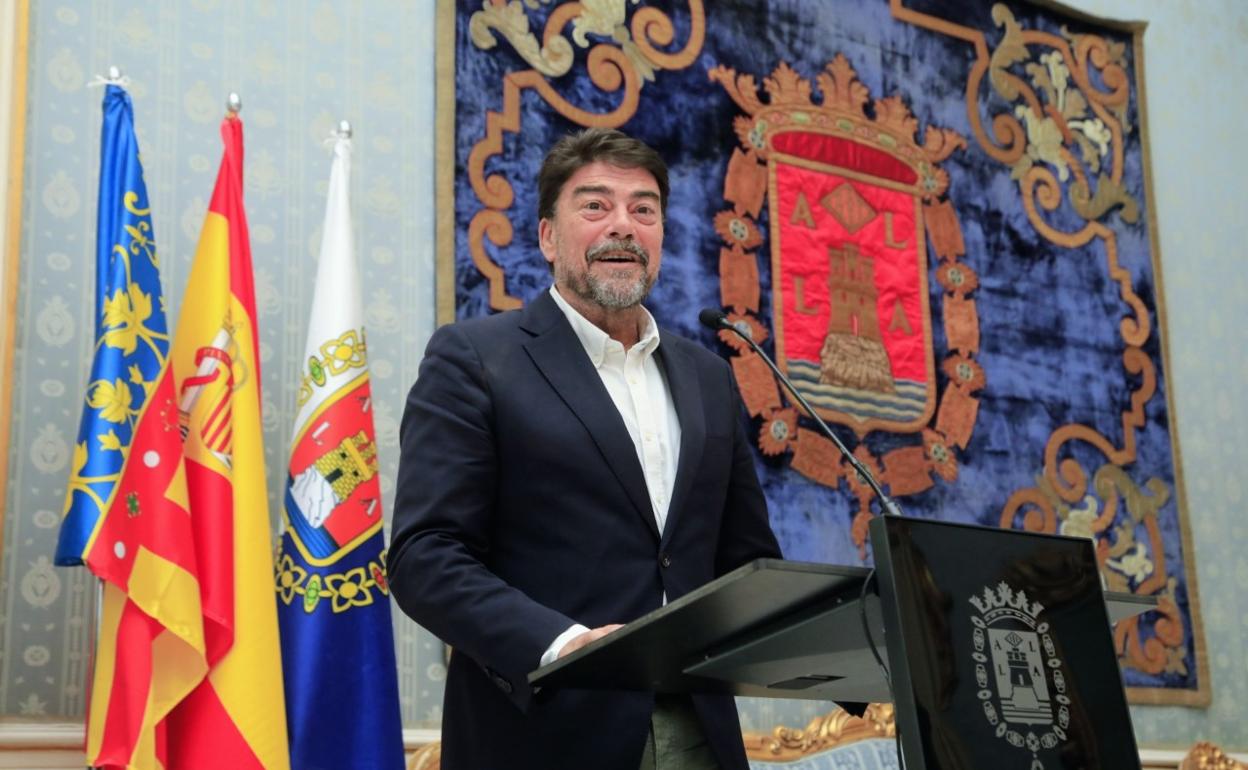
(585, 147)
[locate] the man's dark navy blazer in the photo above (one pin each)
(521, 509)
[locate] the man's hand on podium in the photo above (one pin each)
(592, 635)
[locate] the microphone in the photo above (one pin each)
(717, 320)
(714, 319)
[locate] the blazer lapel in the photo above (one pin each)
(682, 381)
(560, 357)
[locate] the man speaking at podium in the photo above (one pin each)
(566, 468)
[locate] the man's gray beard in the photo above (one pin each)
(604, 293)
(611, 295)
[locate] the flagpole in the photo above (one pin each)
(115, 77)
(99, 617)
(233, 103)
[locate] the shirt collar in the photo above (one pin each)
(595, 341)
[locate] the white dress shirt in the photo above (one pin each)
(641, 395)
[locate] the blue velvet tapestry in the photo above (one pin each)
(973, 175)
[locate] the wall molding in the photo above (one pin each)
(58, 745)
(14, 51)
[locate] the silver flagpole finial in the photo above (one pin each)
(344, 129)
(115, 78)
(234, 103)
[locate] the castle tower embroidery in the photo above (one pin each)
(853, 354)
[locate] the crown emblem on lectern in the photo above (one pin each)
(1005, 600)
(1018, 673)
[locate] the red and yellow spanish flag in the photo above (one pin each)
(236, 718)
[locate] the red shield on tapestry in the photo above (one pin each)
(849, 279)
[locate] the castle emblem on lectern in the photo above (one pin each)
(1019, 675)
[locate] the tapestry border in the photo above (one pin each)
(444, 161)
(1202, 696)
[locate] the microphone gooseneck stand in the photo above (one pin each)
(717, 320)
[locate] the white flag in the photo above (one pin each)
(333, 598)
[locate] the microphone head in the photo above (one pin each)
(713, 319)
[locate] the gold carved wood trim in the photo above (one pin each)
(427, 757)
(1207, 756)
(832, 730)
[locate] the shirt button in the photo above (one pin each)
(665, 560)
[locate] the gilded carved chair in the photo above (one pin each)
(1206, 756)
(426, 757)
(833, 740)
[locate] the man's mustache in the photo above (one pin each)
(599, 251)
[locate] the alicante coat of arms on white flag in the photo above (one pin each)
(333, 596)
(333, 462)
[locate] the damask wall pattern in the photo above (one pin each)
(299, 69)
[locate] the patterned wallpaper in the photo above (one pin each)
(300, 67)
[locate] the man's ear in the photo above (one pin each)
(546, 239)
